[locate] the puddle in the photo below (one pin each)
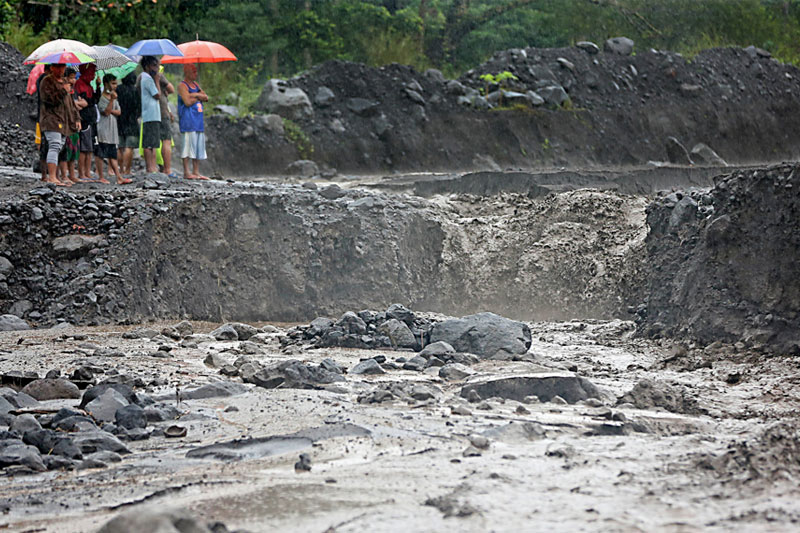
(242, 449)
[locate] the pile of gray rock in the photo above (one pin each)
(89, 436)
(486, 335)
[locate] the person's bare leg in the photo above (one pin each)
(196, 164)
(166, 155)
(100, 176)
(150, 159)
(127, 161)
(82, 166)
(115, 169)
(52, 169)
(186, 174)
(71, 169)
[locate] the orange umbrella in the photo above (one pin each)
(201, 52)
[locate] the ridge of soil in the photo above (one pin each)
(621, 111)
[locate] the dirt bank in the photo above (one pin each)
(620, 111)
(724, 262)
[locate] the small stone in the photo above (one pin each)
(460, 410)
(24, 423)
(522, 410)
(558, 400)
(368, 367)
(473, 396)
(479, 441)
(214, 360)
(304, 464)
(52, 389)
(472, 451)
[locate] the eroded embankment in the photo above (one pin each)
(293, 253)
(724, 262)
(289, 253)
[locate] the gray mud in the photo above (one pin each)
(410, 464)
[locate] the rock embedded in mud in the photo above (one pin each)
(484, 334)
(104, 407)
(303, 167)
(437, 349)
(367, 367)
(93, 392)
(648, 394)
(12, 323)
(399, 333)
(131, 417)
(24, 423)
(216, 389)
(52, 389)
(455, 372)
(226, 332)
(569, 387)
(95, 441)
(155, 520)
(415, 364)
(15, 452)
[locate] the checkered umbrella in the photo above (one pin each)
(107, 58)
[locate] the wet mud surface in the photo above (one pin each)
(439, 462)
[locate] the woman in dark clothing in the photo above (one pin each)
(55, 118)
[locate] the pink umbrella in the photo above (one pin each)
(33, 76)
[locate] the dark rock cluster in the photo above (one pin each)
(485, 334)
(91, 435)
(16, 107)
(59, 251)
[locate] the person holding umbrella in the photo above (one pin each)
(190, 117)
(54, 118)
(191, 98)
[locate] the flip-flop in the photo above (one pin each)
(124, 181)
(173, 175)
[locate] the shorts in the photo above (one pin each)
(87, 140)
(129, 141)
(71, 148)
(166, 129)
(151, 134)
(194, 145)
(106, 151)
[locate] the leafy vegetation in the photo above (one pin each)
(283, 37)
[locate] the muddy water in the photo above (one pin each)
(401, 465)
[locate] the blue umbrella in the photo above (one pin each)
(154, 47)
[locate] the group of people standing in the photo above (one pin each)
(78, 122)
